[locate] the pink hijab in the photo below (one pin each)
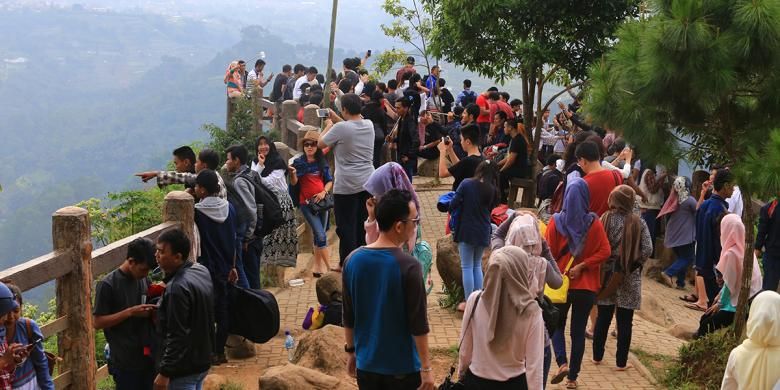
(732, 240)
(388, 177)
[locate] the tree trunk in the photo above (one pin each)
(740, 318)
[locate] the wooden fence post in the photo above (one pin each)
(179, 206)
(289, 111)
(71, 236)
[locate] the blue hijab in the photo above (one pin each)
(574, 220)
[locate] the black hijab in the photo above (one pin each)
(273, 160)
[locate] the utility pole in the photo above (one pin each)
(328, 79)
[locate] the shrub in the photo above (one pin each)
(702, 362)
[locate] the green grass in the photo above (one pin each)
(453, 295)
(700, 365)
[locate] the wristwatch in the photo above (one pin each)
(349, 349)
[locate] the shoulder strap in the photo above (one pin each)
(28, 325)
(471, 317)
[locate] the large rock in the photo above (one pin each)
(448, 261)
(664, 258)
(322, 350)
(428, 168)
(654, 311)
(214, 382)
(327, 285)
(238, 347)
(293, 377)
(682, 331)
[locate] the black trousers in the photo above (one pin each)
(712, 322)
(473, 382)
(373, 381)
(350, 212)
(625, 318)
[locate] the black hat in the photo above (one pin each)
(410, 60)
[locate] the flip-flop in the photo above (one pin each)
(694, 306)
(571, 384)
(691, 298)
(558, 378)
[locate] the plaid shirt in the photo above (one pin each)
(165, 178)
(6, 375)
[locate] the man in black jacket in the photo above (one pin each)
(768, 241)
(186, 316)
(408, 138)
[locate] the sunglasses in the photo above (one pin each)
(309, 144)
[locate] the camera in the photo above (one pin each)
(446, 140)
(323, 113)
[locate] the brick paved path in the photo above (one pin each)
(649, 335)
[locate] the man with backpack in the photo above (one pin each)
(216, 222)
(467, 96)
(241, 194)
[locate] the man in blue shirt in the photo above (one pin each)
(708, 232)
(385, 322)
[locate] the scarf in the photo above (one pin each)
(732, 242)
(510, 291)
(757, 359)
(273, 160)
(621, 202)
(390, 176)
(574, 219)
(680, 193)
(524, 233)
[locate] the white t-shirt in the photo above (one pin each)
(299, 82)
(352, 144)
(735, 202)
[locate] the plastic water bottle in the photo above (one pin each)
(107, 352)
(289, 344)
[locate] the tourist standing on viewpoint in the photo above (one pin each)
(352, 141)
(385, 316)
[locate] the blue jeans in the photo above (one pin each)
(192, 382)
(318, 223)
(240, 232)
(409, 167)
(580, 301)
(251, 261)
(771, 272)
(133, 380)
(685, 255)
(471, 267)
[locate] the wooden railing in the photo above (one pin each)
(72, 265)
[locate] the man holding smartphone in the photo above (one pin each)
(123, 314)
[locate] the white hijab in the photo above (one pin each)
(757, 359)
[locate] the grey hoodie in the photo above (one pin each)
(215, 208)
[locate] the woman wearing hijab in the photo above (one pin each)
(576, 232)
(524, 232)
(630, 241)
(280, 247)
(755, 364)
(651, 203)
(680, 230)
(724, 306)
(502, 345)
(387, 177)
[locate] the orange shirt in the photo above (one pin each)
(596, 252)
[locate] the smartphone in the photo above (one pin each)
(446, 140)
(368, 53)
(323, 113)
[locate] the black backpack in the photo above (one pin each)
(269, 211)
(254, 314)
(468, 98)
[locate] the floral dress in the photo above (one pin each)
(629, 294)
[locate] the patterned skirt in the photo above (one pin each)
(280, 247)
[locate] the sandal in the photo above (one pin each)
(695, 307)
(562, 372)
(691, 298)
(571, 384)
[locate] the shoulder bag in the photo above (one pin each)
(559, 295)
(448, 384)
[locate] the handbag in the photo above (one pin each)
(559, 295)
(550, 314)
(611, 280)
(325, 204)
(448, 384)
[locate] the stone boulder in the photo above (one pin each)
(682, 331)
(214, 382)
(238, 347)
(427, 168)
(654, 311)
(448, 261)
(327, 285)
(664, 258)
(322, 350)
(293, 377)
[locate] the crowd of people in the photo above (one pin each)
(580, 255)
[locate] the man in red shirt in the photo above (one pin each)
(409, 67)
(484, 118)
(600, 181)
(497, 104)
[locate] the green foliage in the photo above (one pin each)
(385, 61)
(239, 131)
(230, 386)
(453, 295)
(412, 26)
(701, 362)
(125, 213)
